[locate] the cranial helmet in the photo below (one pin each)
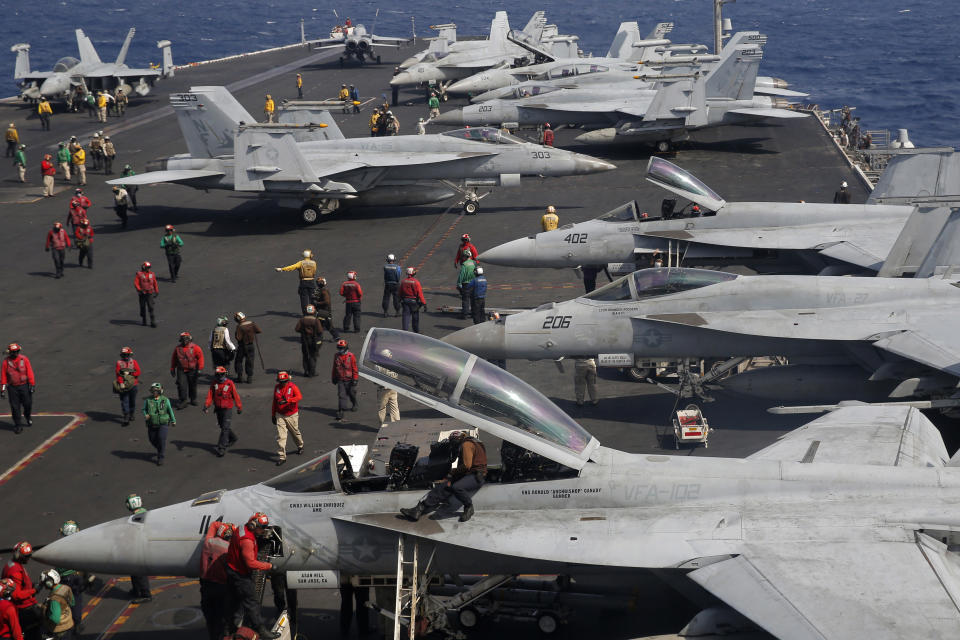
(282, 376)
(133, 502)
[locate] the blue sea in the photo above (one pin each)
(897, 61)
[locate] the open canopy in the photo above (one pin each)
(672, 178)
(476, 392)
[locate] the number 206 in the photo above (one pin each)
(557, 322)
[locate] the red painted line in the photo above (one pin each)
(125, 613)
(423, 236)
(78, 419)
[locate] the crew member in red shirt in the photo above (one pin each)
(16, 378)
(286, 415)
(127, 372)
(57, 243)
(547, 136)
(465, 244)
(23, 596)
(48, 170)
(241, 563)
(345, 375)
(80, 200)
(411, 297)
(223, 396)
(75, 214)
(186, 362)
(9, 623)
(83, 236)
(352, 295)
(213, 577)
(147, 289)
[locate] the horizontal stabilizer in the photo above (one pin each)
(854, 253)
(173, 175)
(768, 112)
(937, 347)
(782, 93)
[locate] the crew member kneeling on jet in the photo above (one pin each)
(460, 484)
(241, 563)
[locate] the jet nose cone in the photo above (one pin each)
(402, 79)
(112, 547)
(409, 62)
(452, 118)
(588, 164)
(461, 86)
(516, 253)
(487, 340)
(52, 87)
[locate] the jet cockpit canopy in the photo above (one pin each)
(672, 178)
(489, 135)
(660, 281)
(65, 64)
(475, 392)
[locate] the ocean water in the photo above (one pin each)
(897, 61)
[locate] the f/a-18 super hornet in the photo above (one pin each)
(314, 167)
(827, 236)
(681, 100)
(880, 338)
(446, 66)
(88, 71)
(358, 43)
(841, 529)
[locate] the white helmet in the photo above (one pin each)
(843, 185)
(479, 271)
(391, 257)
(307, 253)
(50, 578)
(411, 271)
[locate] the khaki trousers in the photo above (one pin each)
(81, 173)
(388, 405)
(48, 185)
(65, 167)
(585, 379)
(22, 172)
(291, 424)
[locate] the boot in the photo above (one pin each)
(263, 632)
(467, 513)
(125, 421)
(413, 513)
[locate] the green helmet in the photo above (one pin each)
(222, 321)
(156, 386)
(69, 528)
(133, 502)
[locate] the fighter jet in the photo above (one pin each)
(460, 64)
(359, 44)
(313, 166)
(878, 338)
(443, 44)
(841, 529)
(88, 71)
(680, 101)
(828, 235)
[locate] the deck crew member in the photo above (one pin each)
(391, 285)
(469, 246)
(307, 267)
(139, 585)
(585, 380)
(45, 112)
(186, 362)
(47, 172)
(223, 396)
(159, 416)
(468, 271)
(411, 297)
(9, 623)
(352, 296)
(16, 378)
(268, 108)
(13, 139)
(345, 375)
(246, 337)
(547, 135)
(213, 577)
(285, 414)
(83, 236)
(20, 162)
(460, 484)
(550, 219)
(148, 289)
(172, 243)
(23, 595)
(222, 348)
(311, 334)
(57, 243)
(478, 297)
(299, 86)
(63, 160)
(121, 200)
(324, 307)
(842, 196)
(127, 378)
(241, 563)
(79, 159)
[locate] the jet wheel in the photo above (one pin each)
(663, 146)
(547, 623)
(471, 208)
(309, 214)
(468, 617)
(639, 374)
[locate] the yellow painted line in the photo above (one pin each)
(78, 419)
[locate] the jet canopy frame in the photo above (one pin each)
(657, 281)
(475, 392)
(489, 135)
(669, 176)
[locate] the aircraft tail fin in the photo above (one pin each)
(122, 56)
(660, 31)
(166, 70)
(88, 54)
(499, 28)
(209, 118)
(622, 45)
(928, 245)
(22, 68)
(735, 75)
(536, 24)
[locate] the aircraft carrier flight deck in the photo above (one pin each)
(78, 462)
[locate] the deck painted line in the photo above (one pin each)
(78, 419)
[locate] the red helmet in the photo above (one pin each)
(13, 346)
(126, 351)
(79, 191)
(224, 531)
(465, 237)
(696, 208)
(341, 343)
(258, 521)
(282, 376)
(84, 222)
(57, 225)
(351, 275)
(7, 587)
(145, 266)
(221, 369)
(22, 550)
(185, 334)
(169, 227)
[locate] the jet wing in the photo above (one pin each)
(936, 347)
(173, 175)
(869, 250)
(863, 434)
(329, 165)
(769, 112)
(37, 75)
(883, 590)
